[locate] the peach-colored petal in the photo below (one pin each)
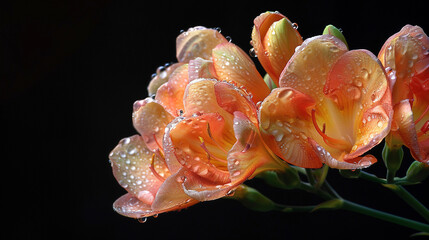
(201, 68)
(130, 206)
(232, 99)
(162, 76)
(285, 115)
(358, 86)
(279, 43)
(197, 42)
(201, 144)
(150, 120)
(171, 196)
(170, 94)
(233, 64)
(246, 158)
(131, 163)
(309, 66)
(200, 97)
(403, 116)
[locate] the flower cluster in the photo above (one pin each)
(212, 121)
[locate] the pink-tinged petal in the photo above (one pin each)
(162, 76)
(201, 144)
(403, 117)
(170, 94)
(201, 68)
(131, 163)
(360, 90)
(232, 64)
(197, 42)
(308, 68)
(130, 206)
(247, 157)
(353, 163)
(200, 97)
(171, 196)
(232, 99)
(150, 120)
(279, 43)
(285, 115)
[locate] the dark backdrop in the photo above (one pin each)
(70, 73)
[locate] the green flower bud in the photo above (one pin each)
(417, 172)
(392, 158)
(253, 199)
(331, 30)
(289, 179)
(270, 83)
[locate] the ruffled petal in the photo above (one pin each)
(197, 42)
(200, 146)
(359, 88)
(150, 120)
(131, 163)
(233, 64)
(285, 115)
(232, 99)
(308, 68)
(170, 94)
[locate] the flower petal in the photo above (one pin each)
(170, 94)
(131, 163)
(403, 117)
(233, 64)
(309, 66)
(358, 86)
(162, 76)
(197, 42)
(130, 206)
(232, 99)
(201, 68)
(201, 150)
(171, 196)
(285, 115)
(150, 120)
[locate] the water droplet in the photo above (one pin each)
(380, 124)
(228, 38)
(142, 220)
(230, 192)
(295, 25)
(252, 52)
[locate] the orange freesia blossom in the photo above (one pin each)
(406, 58)
(274, 39)
(332, 106)
(199, 137)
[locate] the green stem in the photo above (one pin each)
(310, 176)
(410, 200)
(354, 207)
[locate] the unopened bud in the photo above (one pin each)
(253, 199)
(288, 179)
(417, 172)
(332, 30)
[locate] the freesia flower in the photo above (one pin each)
(406, 58)
(199, 135)
(274, 39)
(332, 106)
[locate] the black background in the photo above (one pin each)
(70, 73)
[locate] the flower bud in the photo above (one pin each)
(350, 173)
(270, 83)
(332, 30)
(288, 179)
(253, 199)
(392, 158)
(417, 172)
